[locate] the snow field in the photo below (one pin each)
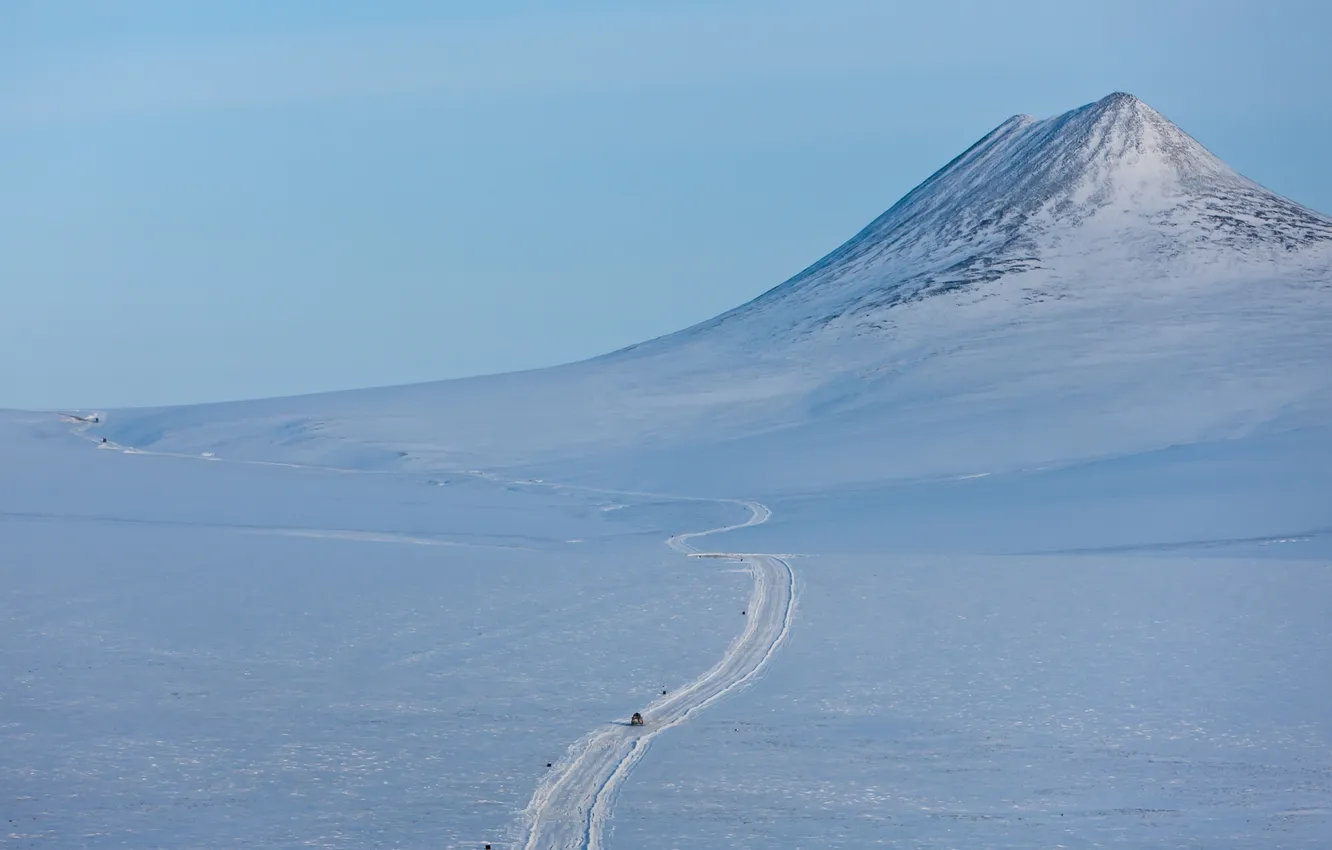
(183, 676)
(963, 701)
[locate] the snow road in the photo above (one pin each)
(571, 808)
(758, 514)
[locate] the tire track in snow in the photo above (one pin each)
(573, 805)
(571, 808)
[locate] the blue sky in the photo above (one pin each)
(228, 200)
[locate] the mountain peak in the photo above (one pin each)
(1121, 107)
(1114, 178)
(1122, 132)
(1120, 100)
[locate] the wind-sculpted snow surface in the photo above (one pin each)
(572, 808)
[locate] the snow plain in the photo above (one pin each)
(207, 654)
(202, 653)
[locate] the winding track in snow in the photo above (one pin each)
(571, 808)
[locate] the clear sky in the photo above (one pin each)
(208, 201)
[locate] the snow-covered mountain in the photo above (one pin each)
(1032, 195)
(1083, 286)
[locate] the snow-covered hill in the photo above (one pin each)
(1113, 177)
(1083, 286)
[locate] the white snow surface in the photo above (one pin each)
(1018, 534)
(205, 653)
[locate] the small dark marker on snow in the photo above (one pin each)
(547, 764)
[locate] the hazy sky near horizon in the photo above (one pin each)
(227, 200)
